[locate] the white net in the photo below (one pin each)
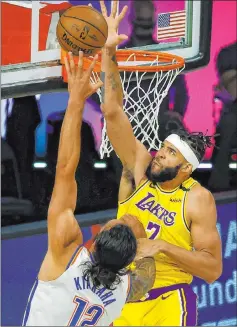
(143, 94)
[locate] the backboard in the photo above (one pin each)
(31, 53)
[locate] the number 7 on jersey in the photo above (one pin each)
(154, 228)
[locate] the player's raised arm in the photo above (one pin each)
(62, 225)
(119, 129)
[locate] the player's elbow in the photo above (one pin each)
(65, 170)
(211, 279)
(110, 111)
(217, 274)
(218, 270)
(61, 168)
(214, 274)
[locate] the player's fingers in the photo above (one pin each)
(92, 65)
(72, 63)
(123, 13)
(114, 8)
(122, 37)
(67, 66)
(103, 8)
(97, 85)
(80, 64)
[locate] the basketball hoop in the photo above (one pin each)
(142, 99)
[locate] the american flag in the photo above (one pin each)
(171, 24)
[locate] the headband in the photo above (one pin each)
(184, 149)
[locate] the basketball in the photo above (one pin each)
(82, 28)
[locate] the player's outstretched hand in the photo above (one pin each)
(113, 22)
(149, 248)
(79, 85)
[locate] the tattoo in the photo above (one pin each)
(114, 60)
(143, 279)
(114, 83)
(110, 53)
(102, 77)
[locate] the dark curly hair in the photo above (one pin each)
(114, 250)
(197, 141)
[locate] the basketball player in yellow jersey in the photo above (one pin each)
(178, 214)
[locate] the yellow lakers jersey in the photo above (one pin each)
(162, 214)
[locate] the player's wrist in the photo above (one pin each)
(165, 247)
(109, 51)
(160, 246)
(76, 102)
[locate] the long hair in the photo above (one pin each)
(114, 250)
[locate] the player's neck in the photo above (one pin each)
(173, 184)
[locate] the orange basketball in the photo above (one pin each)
(82, 28)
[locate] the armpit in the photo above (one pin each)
(127, 174)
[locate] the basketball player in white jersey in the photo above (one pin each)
(74, 286)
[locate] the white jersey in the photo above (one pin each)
(70, 300)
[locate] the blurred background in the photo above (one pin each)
(197, 100)
(203, 100)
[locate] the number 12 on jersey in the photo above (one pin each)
(85, 314)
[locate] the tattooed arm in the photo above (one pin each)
(119, 129)
(143, 279)
(110, 73)
(118, 126)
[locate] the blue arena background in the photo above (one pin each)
(21, 259)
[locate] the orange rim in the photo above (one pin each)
(167, 61)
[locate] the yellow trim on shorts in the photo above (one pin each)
(185, 306)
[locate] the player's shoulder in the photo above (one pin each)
(78, 255)
(199, 199)
(199, 192)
